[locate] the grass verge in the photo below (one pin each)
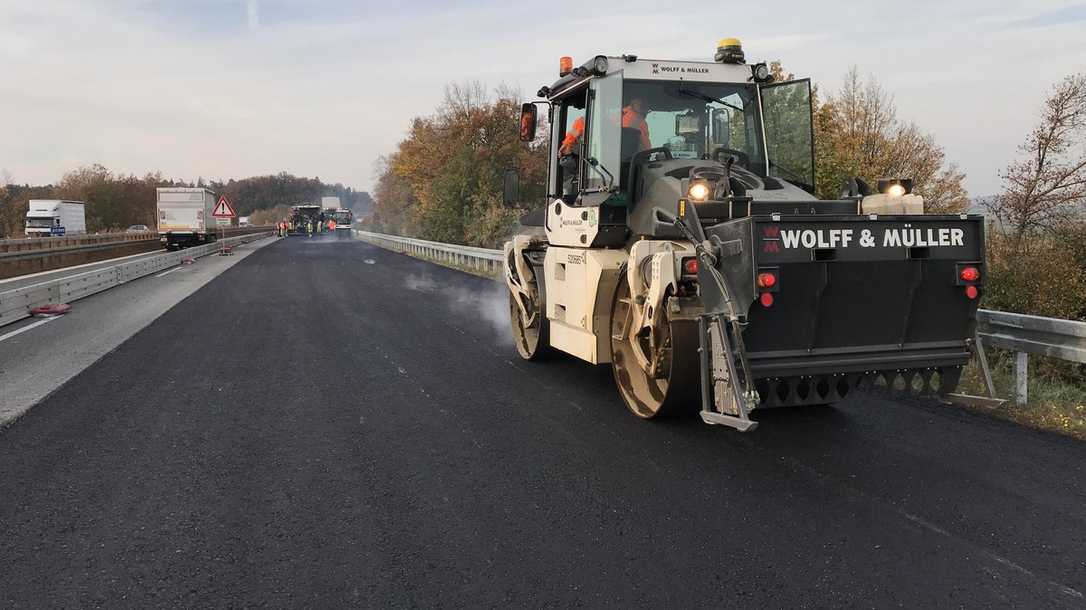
(1057, 393)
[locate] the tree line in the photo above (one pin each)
(444, 180)
(116, 201)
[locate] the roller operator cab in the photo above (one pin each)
(680, 241)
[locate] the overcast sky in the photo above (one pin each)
(233, 88)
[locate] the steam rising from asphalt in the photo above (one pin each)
(487, 306)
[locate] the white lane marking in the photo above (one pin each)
(63, 269)
(27, 327)
(169, 272)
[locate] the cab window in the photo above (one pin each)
(600, 167)
(566, 113)
(789, 140)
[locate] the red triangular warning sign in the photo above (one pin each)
(223, 209)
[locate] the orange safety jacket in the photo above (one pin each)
(632, 120)
(576, 132)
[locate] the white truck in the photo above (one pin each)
(329, 205)
(184, 216)
(55, 217)
(344, 219)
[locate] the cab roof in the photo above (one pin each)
(633, 67)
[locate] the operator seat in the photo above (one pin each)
(631, 145)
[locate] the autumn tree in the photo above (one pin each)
(444, 180)
(1037, 240)
(14, 200)
(1045, 188)
(858, 133)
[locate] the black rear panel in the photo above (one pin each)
(892, 300)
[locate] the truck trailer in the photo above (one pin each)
(329, 205)
(681, 243)
(184, 216)
(55, 217)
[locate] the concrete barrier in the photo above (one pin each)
(16, 304)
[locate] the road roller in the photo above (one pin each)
(680, 242)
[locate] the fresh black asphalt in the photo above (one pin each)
(328, 424)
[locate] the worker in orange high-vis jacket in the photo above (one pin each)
(573, 137)
(633, 117)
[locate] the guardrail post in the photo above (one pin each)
(1021, 378)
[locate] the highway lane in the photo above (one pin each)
(37, 355)
(330, 424)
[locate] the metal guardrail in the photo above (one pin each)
(1020, 333)
(16, 304)
(13, 255)
(1053, 337)
(74, 242)
(1024, 335)
(65, 242)
(480, 259)
(22, 256)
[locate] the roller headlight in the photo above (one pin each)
(698, 191)
(599, 65)
(760, 72)
(897, 187)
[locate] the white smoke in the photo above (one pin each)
(488, 305)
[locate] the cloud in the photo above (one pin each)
(253, 13)
(224, 88)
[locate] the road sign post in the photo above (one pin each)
(223, 209)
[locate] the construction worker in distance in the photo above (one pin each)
(309, 229)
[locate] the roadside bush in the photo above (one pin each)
(1046, 279)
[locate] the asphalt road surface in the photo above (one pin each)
(330, 424)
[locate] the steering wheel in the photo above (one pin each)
(741, 156)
